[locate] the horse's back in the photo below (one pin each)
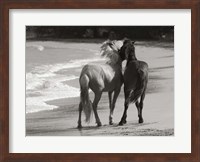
(143, 69)
(98, 72)
(135, 72)
(94, 73)
(102, 77)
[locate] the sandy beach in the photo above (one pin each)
(61, 120)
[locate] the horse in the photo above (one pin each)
(101, 78)
(135, 80)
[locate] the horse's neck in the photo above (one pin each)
(131, 60)
(116, 66)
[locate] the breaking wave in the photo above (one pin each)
(44, 83)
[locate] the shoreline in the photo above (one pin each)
(58, 122)
(158, 111)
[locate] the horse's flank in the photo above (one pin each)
(102, 77)
(137, 81)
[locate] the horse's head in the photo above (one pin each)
(127, 51)
(110, 49)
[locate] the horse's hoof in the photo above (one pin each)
(99, 124)
(141, 120)
(110, 123)
(79, 126)
(121, 123)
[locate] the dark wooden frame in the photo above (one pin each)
(5, 5)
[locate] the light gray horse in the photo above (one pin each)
(101, 78)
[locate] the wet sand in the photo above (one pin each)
(158, 111)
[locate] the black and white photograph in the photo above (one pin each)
(99, 80)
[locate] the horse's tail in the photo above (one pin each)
(84, 96)
(141, 83)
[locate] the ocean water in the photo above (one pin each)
(49, 65)
(53, 68)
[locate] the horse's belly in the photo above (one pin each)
(108, 89)
(113, 85)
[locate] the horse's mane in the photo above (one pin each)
(110, 49)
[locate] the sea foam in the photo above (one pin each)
(43, 84)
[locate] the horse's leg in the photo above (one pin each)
(137, 106)
(126, 104)
(141, 107)
(110, 101)
(79, 118)
(123, 119)
(95, 103)
(116, 94)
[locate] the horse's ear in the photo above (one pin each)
(133, 42)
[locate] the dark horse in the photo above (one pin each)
(135, 80)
